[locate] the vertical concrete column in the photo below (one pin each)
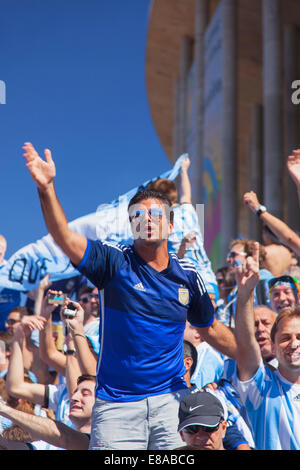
(291, 121)
(255, 167)
(229, 127)
(201, 20)
(272, 91)
(186, 55)
(176, 120)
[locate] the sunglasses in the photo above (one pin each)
(158, 213)
(193, 429)
(233, 254)
(11, 321)
(85, 300)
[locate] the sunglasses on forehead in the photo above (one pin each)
(140, 213)
(194, 428)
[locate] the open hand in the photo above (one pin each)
(247, 274)
(42, 172)
(293, 166)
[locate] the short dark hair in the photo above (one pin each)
(166, 187)
(286, 313)
(84, 377)
(84, 290)
(22, 311)
(151, 194)
(189, 350)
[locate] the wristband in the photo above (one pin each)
(70, 352)
(260, 209)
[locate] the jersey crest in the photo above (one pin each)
(183, 295)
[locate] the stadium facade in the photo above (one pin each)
(220, 77)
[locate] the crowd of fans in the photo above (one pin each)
(247, 399)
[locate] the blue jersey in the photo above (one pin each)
(143, 320)
(210, 366)
(273, 407)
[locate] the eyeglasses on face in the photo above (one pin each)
(154, 212)
(233, 254)
(12, 321)
(193, 429)
(87, 299)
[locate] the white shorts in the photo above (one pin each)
(146, 424)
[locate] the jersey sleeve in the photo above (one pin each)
(100, 262)
(201, 311)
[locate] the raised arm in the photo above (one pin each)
(48, 351)
(248, 351)
(293, 166)
(86, 359)
(45, 429)
(43, 173)
(40, 292)
(278, 227)
(185, 184)
(15, 384)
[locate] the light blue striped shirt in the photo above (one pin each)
(273, 407)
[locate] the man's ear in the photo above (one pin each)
(188, 362)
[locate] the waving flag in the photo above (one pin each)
(25, 268)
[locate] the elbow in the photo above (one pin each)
(13, 390)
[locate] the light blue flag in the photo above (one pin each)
(25, 268)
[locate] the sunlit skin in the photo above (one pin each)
(286, 347)
(91, 308)
(147, 229)
(237, 248)
(192, 334)
(283, 297)
(263, 321)
(206, 440)
(12, 328)
(81, 402)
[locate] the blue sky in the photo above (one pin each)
(75, 82)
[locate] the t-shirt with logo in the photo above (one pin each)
(143, 320)
(273, 407)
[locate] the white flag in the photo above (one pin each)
(25, 268)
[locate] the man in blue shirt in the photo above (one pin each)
(148, 296)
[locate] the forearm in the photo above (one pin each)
(15, 373)
(185, 188)
(86, 359)
(49, 353)
(248, 351)
(38, 301)
(12, 445)
(15, 384)
(282, 231)
(220, 337)
(37, 427)
(71, 243)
